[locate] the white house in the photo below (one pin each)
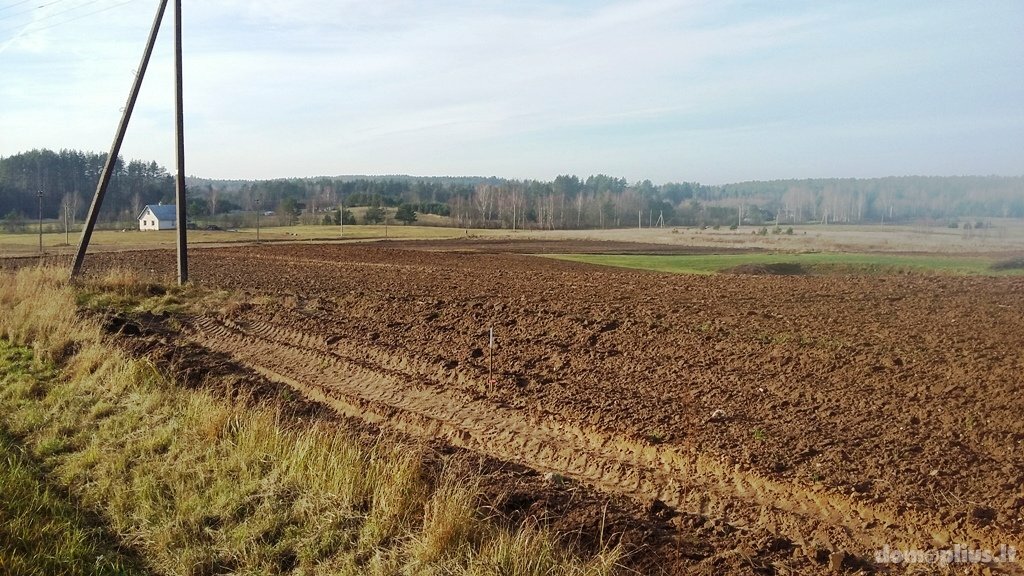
(159, 217)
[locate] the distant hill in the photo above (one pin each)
(69, 178)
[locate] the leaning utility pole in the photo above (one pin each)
(115, 148)
(179, 133)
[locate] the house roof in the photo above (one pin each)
(161, 211)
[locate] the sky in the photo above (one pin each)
(667, 90)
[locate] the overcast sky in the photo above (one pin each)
(671, 90)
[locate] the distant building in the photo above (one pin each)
(159, 217)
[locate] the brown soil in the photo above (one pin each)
(654, 538)
(826, 415)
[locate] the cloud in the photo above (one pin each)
(318, 86)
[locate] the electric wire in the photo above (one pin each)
(33, 29)
(9, 6)
(55, 14)
(30, 10)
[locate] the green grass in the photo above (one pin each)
(41, 531)
(815, 263)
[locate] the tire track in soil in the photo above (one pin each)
(416, 398)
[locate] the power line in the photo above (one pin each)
(9, 6)
(69, 20)
(55, 14)
(30, 10)
(72, 9)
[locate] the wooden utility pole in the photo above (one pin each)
(115, 148)
(179, 133)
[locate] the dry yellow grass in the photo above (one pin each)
(1006, 236)
(197, 485)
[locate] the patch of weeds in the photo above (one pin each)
(779, 338)
(52, 446)
(657, 437)
(166, 304)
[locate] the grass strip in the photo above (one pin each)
(814, 263)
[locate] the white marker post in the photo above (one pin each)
(490, 366)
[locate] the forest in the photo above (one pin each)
(67, 181)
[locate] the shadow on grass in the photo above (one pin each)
(1010, 264)
(43, 531)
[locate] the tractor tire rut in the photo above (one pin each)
(420, 399)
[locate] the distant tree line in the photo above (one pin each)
(601, 201)
(68, 178)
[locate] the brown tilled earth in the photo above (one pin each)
(794, 422)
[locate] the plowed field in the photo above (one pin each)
(840, 414)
